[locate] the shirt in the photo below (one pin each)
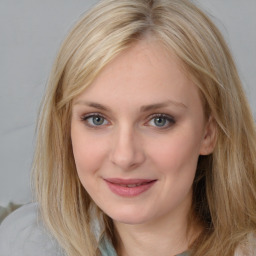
(22, 233)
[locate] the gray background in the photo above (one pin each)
(30, 34)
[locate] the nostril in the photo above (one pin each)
(127, 151)
(127, 156)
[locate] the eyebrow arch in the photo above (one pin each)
(161, 105)
(92, 104)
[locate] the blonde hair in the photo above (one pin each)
(224, 198)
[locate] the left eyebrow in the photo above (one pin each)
(161, 105)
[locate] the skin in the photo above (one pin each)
(127, 140)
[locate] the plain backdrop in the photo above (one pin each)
(30, 34)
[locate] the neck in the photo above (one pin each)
(165, 237)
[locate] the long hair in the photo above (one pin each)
(224, 193)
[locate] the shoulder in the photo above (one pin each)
(22, 234)
(247, 248)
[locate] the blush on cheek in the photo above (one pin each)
(179, 162)
(87, 159)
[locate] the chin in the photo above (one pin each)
(130, 221)
(131, 218)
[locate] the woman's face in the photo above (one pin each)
(137, 132)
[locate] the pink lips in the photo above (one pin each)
(129, 187)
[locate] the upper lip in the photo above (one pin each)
(128, 181)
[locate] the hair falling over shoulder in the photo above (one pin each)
(224, 198)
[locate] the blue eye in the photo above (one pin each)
(95, 120)
(161, 121)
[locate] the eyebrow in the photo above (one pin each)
(161, 105)
(144, 108)
(92, 104)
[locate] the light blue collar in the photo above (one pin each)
(106, 247)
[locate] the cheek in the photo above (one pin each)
(177, 153)
(88, 155)
(176, 159)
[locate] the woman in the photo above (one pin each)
(146, 144)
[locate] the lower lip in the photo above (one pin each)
(129, 192)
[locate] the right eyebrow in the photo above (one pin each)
(92, 104)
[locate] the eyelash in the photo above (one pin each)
(87, 117)
(169, 120)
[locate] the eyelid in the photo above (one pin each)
(170, 119)
(84, 118)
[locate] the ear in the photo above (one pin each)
(210, 136)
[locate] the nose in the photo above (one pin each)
(127, 150)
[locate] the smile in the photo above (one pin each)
(129, 188)
(132, 185)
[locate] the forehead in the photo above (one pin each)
(144, 72)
